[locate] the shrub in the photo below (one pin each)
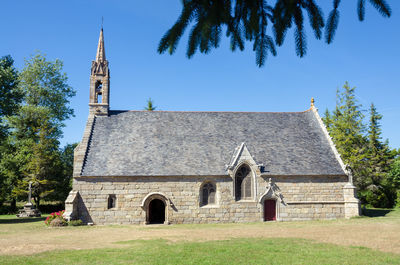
(398, 198)
(58, 222)
(54, 216)
(75, 222)
(377, 198)
(8, 209)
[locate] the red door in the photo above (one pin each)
(269, 210)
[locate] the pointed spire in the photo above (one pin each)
(101, 53)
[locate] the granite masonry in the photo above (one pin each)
(142, 167)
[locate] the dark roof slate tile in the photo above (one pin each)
(162, 143)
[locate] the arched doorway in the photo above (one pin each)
(156, 212)
(269, 210)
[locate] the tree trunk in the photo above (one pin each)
(13, 204)
(37, 202)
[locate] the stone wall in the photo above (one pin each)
(302, 198)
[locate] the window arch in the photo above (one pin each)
(208, 191)
(243, 183)
(99, 92)
(112, 201)
(147, 207)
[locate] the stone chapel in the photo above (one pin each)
(172, 167)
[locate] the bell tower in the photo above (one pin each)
(100, 82)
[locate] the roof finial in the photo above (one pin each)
(102, 21)
(312, 103)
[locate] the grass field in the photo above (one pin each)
(364, 240)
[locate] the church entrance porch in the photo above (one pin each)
(269, 210)
(156, 212)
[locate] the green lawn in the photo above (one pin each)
(239, 250)
(234, 251)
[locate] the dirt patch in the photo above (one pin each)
(383, 236)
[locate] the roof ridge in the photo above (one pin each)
(205, 111)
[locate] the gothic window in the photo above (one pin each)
(112, 201)
(208, 194)
(243, 183)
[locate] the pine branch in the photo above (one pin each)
(332, 23)
(215, 36)
(361, 9)
(246, 20)
(260, 49)
(316, 18)
(235, 29)
(194, 41)
(171, 38)
(382, 7)
(282, 21)
(236, 38)
(300, 38)
(270, 45)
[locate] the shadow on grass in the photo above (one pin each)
(375, 212)
(17, 220)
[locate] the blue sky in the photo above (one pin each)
(366, 54)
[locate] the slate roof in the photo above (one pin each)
(162, 143)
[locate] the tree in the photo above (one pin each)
(327, 119)
(380, 155)
(346, 128)
(10, 97)
(150, 106)
(394, 180)
(380, 158)
(43, 166)
(36, 128)
(363, 150)
(64, 175)
(45, 85)
(248, 20)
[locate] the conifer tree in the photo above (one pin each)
(394, 179)
(379, 157)
(361, 147)
(327, 119)
(150, 105)
(346, 128)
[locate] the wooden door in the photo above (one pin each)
(269, 210)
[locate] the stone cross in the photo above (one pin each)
(30, 192)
